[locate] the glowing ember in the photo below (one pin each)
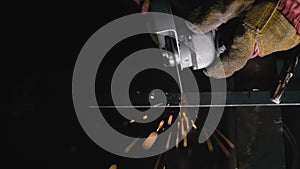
(114, 166)
(185, 142)
(157, 162)
(224, 149)
(186, 120)
(160, 125)
(194, 126)
(168, 141)
(209, 145)
(177, 139)
(145, 117)
(225, 139)
(170, 119)
(183, 133)
(148, 143)
(129, 147)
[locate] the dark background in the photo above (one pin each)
(45, 40)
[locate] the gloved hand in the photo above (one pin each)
(265, 30)
(268, 26)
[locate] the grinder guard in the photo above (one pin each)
(180, 46)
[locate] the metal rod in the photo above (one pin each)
(195, 106)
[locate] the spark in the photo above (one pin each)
(170, 119)
(177, 139)
(224, 149)
(185, 141)
(186, 120)
(225, 139)
(157, 162)
(183, 133)
(208, 141)
(168, 141)
(177, 136)
(209, 145)
(194, 126)
(148, 143)
(114, 166)
(145, 117)
(157, 105)
(152, 96)
(160, 125)
(129, 147)
(197, 116)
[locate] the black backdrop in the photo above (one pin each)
(45, 40)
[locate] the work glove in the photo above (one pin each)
(265, 30)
